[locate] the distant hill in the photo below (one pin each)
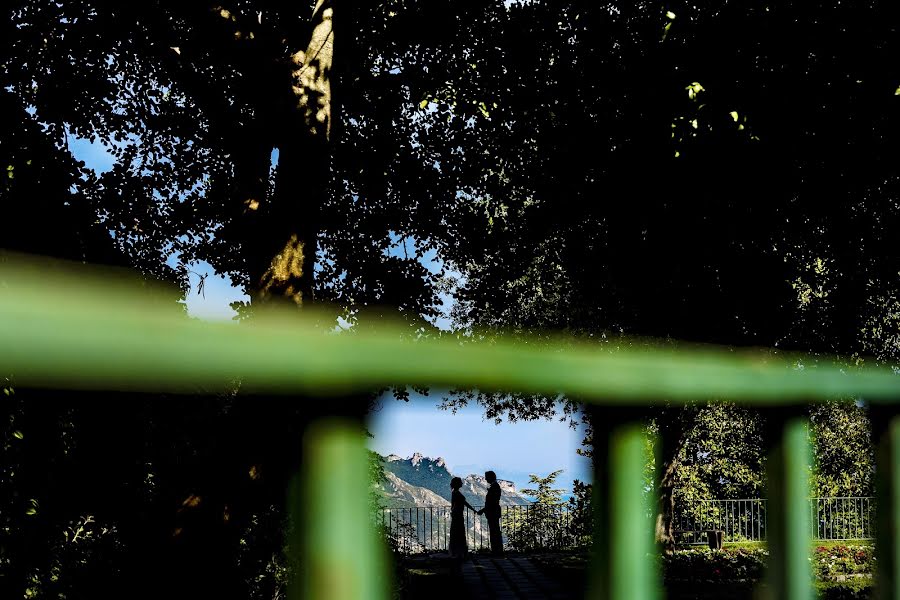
(423, 481)
(397, 493)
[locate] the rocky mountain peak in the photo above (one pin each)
(419, 471)
(507, 486)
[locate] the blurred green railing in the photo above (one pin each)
(72, 327)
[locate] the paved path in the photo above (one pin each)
(508, 578)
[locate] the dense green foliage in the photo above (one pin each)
(698, 565)
(543, 524)
(712, 172)
(723, 455)
(842, 572)
(844, 457)
(581, 523)
(830, 563)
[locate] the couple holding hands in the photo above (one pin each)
(491, 511)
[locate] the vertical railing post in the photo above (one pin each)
(789, 575)
(812, 518)
(886, 424)
(479, 524)
(335, 550)
(623, 565)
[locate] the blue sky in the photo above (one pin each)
(94, 154)
(471, 444)
(218, 294)
(465, 440)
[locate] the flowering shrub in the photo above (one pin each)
(747, 564)
(730, 564)
(854, 589)
(835, 561)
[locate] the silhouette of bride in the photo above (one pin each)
(458, 504)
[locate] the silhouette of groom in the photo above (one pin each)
(491, 510)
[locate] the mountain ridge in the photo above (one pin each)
(422, 480)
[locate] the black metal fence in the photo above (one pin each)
(849, 518)
(421, 529)
(746, 519)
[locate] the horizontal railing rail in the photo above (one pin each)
(67, 326)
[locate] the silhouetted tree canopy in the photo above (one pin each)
(714, 173)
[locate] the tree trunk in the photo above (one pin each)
(282, 251)
(665, 535)
(259, 438)
(673, 425)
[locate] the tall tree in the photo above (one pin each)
(659, 170)
(192, 101)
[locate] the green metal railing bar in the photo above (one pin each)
(887, 534)
(331, 503)
(623, 536)
(789, 574)
(79, 328)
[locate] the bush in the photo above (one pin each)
(834, 564)
(730, 564)
(581, 523)
(837, 561)
(854, 589)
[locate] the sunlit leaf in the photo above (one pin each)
(694, 89)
